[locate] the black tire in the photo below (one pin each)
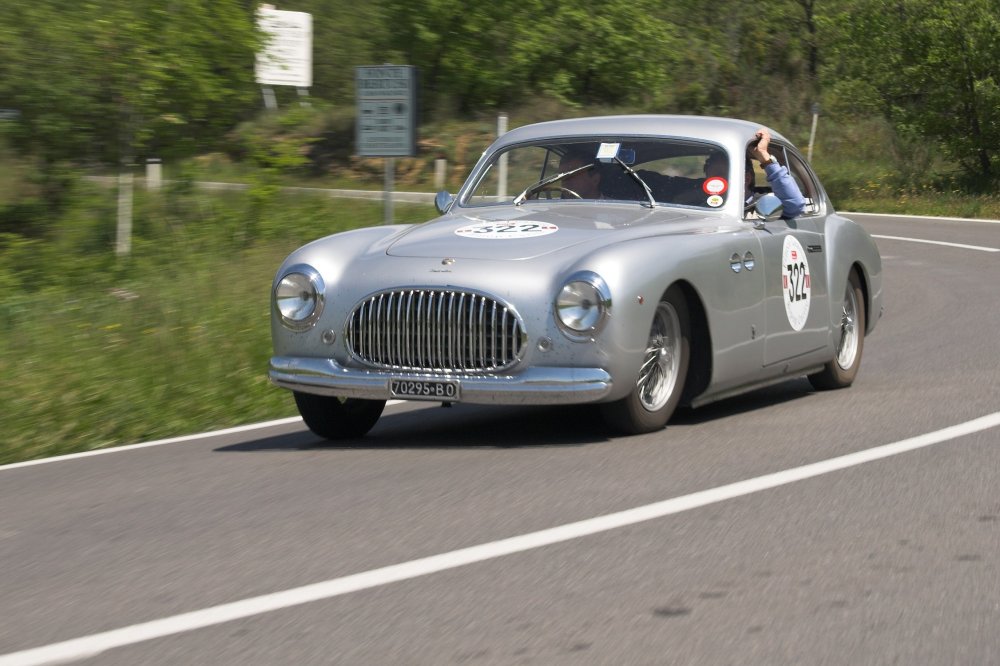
(660, 383)
(841, 371)
(338, 418)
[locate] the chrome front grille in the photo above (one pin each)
(435, 330)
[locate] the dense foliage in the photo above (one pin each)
(931, 67)
(107, 80)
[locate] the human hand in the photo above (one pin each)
(759, 150)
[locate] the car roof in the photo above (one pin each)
(730, 132)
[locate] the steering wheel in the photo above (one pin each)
(561, 190)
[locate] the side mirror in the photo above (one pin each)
(768, 206)
(443, 201)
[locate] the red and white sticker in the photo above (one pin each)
(796, 284)
(506, 230)
(715, 185)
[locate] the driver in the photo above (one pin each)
(586, 183)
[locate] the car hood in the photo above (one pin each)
(511, 233)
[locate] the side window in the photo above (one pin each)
(803, 178)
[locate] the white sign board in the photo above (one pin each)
(387, 110)
(287, 56)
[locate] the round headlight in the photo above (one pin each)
(582, 303)
(298, 298)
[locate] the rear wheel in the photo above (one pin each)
(338, 418)
(841, 371)
(661, 377)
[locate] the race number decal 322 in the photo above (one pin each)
(795, 282)
(506, 230)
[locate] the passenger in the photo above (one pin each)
(781, 181)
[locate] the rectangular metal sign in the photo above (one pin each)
(287, 57)
(387, 111)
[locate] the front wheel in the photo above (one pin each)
(338, 418)
(661, 377)
(841, 371)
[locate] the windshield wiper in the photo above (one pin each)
(630, 171)
(531, 189)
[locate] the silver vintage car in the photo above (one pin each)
(591, 260)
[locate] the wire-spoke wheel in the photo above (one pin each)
(661, 377)
(841, 371)
(658, 374)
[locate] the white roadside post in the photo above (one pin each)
(123, 237)
(440, 173)
(154, 174)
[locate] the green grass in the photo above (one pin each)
(97, 351)
(937, 204)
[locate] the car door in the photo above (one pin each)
(794, 266)
(736, 303)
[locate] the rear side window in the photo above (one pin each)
(803, 178)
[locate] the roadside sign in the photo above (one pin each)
(287, 57)
(386, 111)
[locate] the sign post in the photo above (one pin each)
(287, 57)
(386, 117)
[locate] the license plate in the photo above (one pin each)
(423, 389)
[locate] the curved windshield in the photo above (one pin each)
(648, 171)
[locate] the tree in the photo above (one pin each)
(502, 52)
(935, 68)
(106, 81)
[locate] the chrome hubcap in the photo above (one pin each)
(658, 374)
(847, 350)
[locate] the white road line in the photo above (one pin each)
(922, 217)
(931, 242)
(95, 644)
(144, 445)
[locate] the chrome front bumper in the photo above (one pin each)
(533, 386)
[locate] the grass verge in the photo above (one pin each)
(173, 340)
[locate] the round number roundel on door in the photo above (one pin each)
(795, 282)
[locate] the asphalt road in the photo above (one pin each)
(894, 560)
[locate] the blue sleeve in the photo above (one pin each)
(784, 186)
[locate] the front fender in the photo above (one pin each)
(331, 255)
(638, 274)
